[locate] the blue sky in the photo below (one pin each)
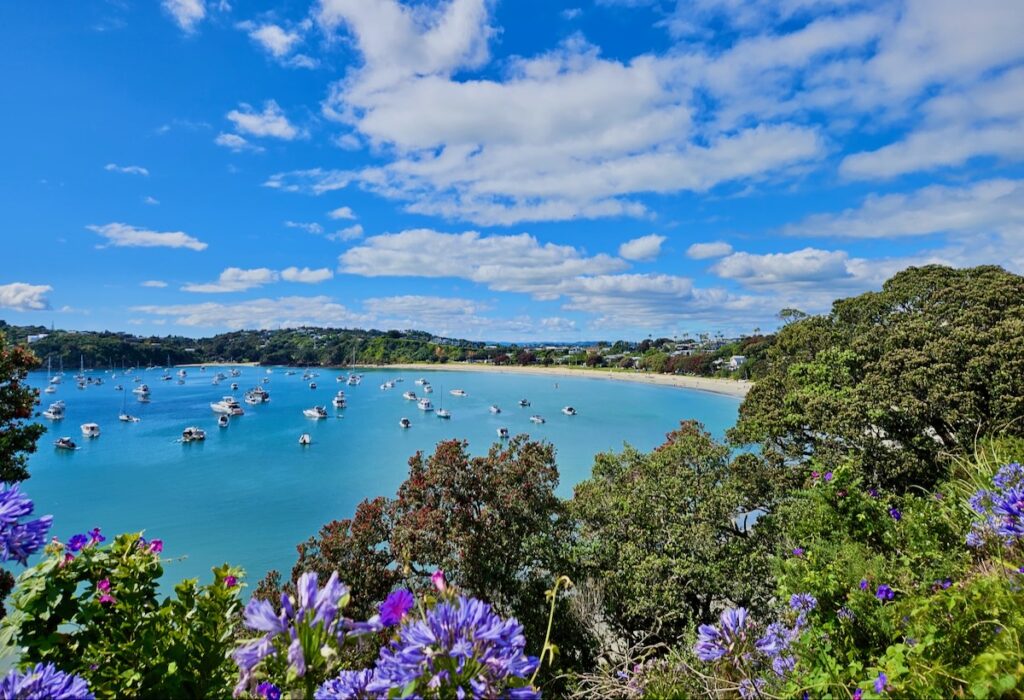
(498, 170)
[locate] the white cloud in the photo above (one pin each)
(306, 275)
(158, 284)
(284, 312)
(349, 233)
(235, 279)
(712, 249)
(314, 180)
(341, 213)
(275, 40)
(806, 265)
(642, 248)
(237, 143)
(504, 263)
(186, 13)
(271, 122)
(24, 297)
(126, 169)
(151, 201)
(308, 227)
(120, 235)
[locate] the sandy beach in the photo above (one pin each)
(728, 387)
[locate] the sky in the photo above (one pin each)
(498, 169)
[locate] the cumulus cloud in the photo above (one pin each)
(186, 13)
(158, 284)
(806, 265)
(349, 233)
(271, 122)
(235, 279)
(121, 235)
(126, 169)
(237, 143)
(279, 42)
(308, 227)
(283, 312)
(642, 248)
(341, 213)
(712, 249)
(306, 275)
(313, 180)
(20, 296)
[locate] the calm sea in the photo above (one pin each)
(250, 492)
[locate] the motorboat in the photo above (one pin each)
(234, 386)
(236, 373)
(90, 430)
(387, 385)
(569, 411)
(166, 378)
(256, 395)
(339, 400)
(494, 409)
(55, 411)
(141, 389)
(409, 396)
(193, 434)
(50, 389)
(307, 375)
(524, 403)
(118, 387)
(353, 379)
(265, 380)
(424, 405)
(65, 443)
(537, 419)
(421, 381)
(316, 412)
(222, 421)
(228, 405)
(128, 418)
(443, 413)
(312, 385)
(458, 392)
(405, 423)
(305, 439)
(503, 433)
(182, 373)
(427, 389)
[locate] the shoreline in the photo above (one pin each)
(736, 388)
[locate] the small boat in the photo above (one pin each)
(420, 382)
(50, 389)
(193, 434)
(228, 405)
(312, 385)
(265, 380)
(569, 411)
(65, 443)
(458, 392)
(524, 402)
(494, 409)
(90, 430)
(409, 396)
(236, 373)
(222, 421)
(182, 373)
(443, 413)
(118, 387)
(387, 385)
(537, 419)
(166, 378)
(427, 389)
(405, 423)
(339, 400)
(256, 395)
(234, 386)
(128, 418)
(424, 405)
(55, 411)
(353, 379)
(316, 412)
(305, 439)
(503, 433)
(141, 389)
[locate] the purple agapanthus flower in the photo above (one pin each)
(465, 630)
(895, 514)
(863, 584)
(798, 551)
(751, 688)
(881, 682)
(803, 602)
(844, 613)
(884, 592)
(715, 642)
(393, 609)
(20, 539)
(349, 685)
(873, 492)
(783, 664)
(1009, 475)
(77, 542)
(828, 476)
(775, 639)
(268, 690)
(44, 681)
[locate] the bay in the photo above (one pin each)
(250, 492)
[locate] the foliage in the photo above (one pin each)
(665, 535)
(17, 437)
(94, 611)
(896, 380)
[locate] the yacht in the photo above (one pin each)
(236, 373)
(50, 389)
(127, 418)
(569, 411)
(424, 405)
(256, 395)
(193, 434)
(458, 392)
(55, 411)
(503, 433)
(537, 419)
(387, 385)
(118, 387)
(222, 421)
(182, 373)
(524, 402)
(90, 430)
(228, 405)
(427, 389)
(317, 412)
(339, 400)
(353, 379)
(65, 443)
(305, 439)
(421, 382)
(234, 386)
(494, 409)
(141, 389)
(409, 396)
(405, 423)
(443, 413)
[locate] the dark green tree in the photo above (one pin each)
(17, 435)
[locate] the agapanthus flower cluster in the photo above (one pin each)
(1001, 509)
(44, 681)
(459, 644)
(20, 539)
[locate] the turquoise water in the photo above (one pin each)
(250, 492)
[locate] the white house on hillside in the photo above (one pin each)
(735, 361)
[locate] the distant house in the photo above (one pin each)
(736, 361)
(38, 336)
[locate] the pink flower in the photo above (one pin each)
(104, 588)
(230, 581)
(156, 546)
(439, 581)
